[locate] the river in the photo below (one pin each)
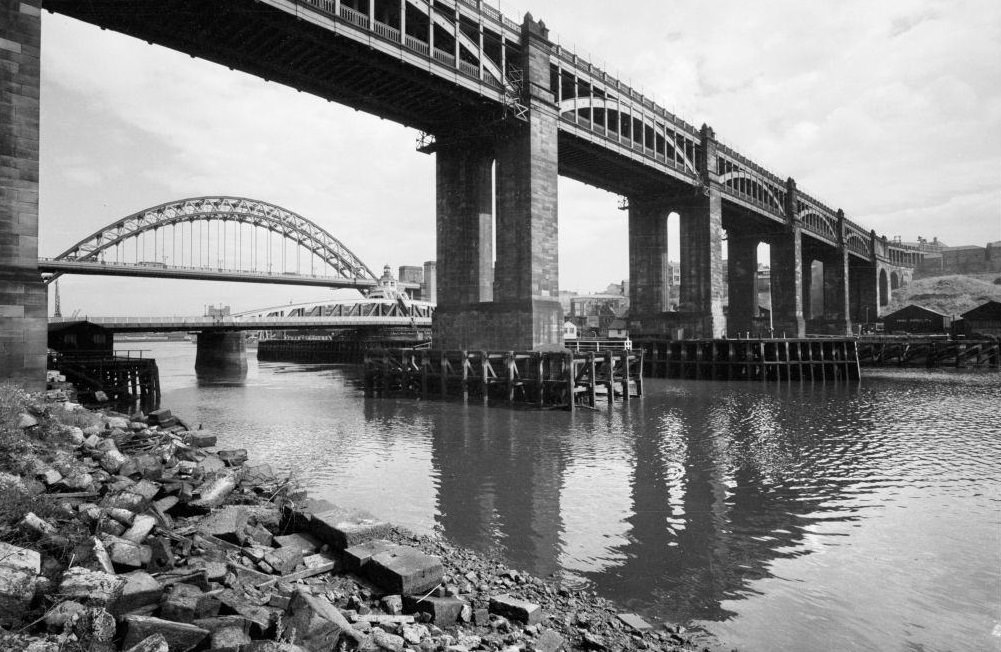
(774, 516)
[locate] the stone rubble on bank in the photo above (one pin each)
(161, 543)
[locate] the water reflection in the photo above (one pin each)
(499, 482)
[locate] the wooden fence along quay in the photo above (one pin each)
(556, 379)
(819, 359)
(930, 352)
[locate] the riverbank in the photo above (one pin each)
(122, 533)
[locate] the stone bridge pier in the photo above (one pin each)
(221, 353)
(23, 297)
(515, 305)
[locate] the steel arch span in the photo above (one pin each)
(292, 227)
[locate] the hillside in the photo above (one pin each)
(951, 295)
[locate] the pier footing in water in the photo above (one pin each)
(544, 379)
(820, 359)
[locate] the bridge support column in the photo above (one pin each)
(221, 353)
(23, 297)
(701, 234)
(464, 210)
(787, 284)
(649, 268)
(742, 280)
(525, 313)
(836, 292)
(864, 292)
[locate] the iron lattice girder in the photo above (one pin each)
(291, 226)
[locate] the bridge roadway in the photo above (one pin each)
(94, 267)
(247, 323)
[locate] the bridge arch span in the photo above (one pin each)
(304, 234)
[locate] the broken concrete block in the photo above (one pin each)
(112, 460)
(356, 557)
(57, 617)
(444, 612)
(549, 641)
(158, 416)
(317, 623)
(146, 488)
(186, 603)
(129, 500)
(386, 641)
(19, 568)
(123, 516)
(523, 611)
(142, 525)
(284, 560)
(404, 570)
(259, 474)
(35, 526)
(201, 439)
(225, 523)
(154, 643)
(141, 590)
(635, 622)
(235, 457)
(257, 534)
(210, 464)
(126, 554)
(215, 491)
(25, 420)
(302, 540)
(49, 476)
(341, 528)
(262, 619)
(91, 587)
(102, 556)
(161, 556)
(180, 637)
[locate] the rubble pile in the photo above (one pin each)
(152, 540)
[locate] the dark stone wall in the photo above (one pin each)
(23, 297)
(742, 274)
(649, 268)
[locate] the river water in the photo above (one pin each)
(777, 517)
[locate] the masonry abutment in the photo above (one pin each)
(23, 297)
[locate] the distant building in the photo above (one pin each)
(983, 320)
(618, 329)
(81, 337)
(411, 274)
(916, 319)
(569, 330)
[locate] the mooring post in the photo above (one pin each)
(443, 366)
(540, 376)
(509, 364)
(593, 378)
(465, 376)
(610, 363)
(485, 368)
(569, 374)
(625, 376)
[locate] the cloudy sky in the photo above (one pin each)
(890, 110)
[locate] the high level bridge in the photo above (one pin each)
(485, 91)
